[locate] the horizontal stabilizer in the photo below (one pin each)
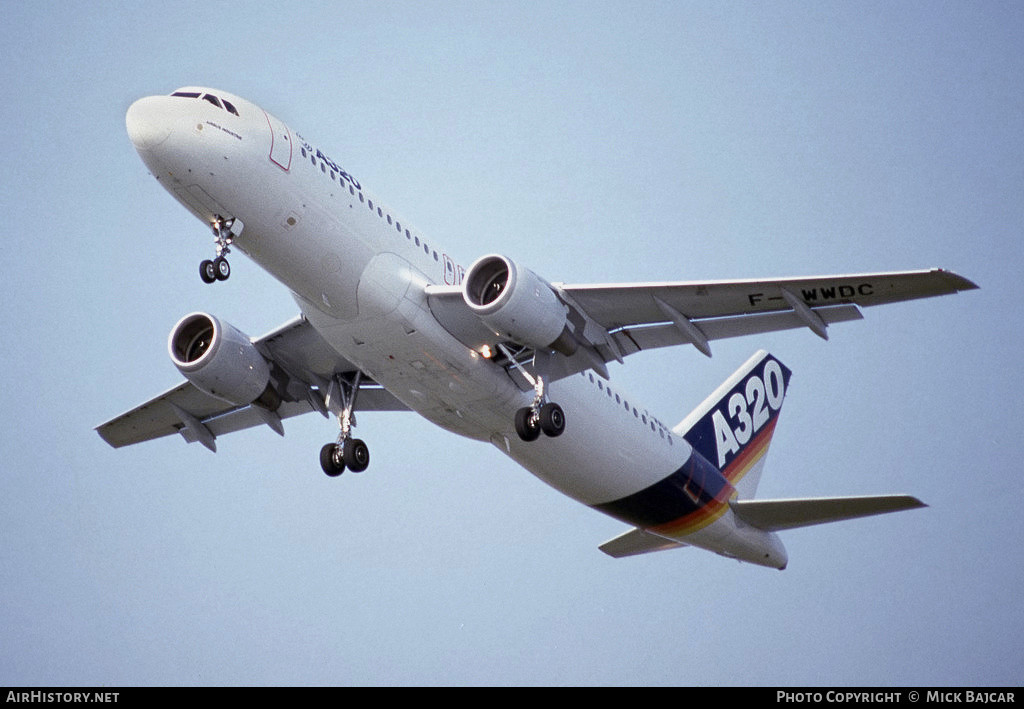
(774, 515)
(637, 541)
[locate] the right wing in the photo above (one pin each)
(614, 320)
(303, 365)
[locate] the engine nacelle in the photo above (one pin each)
(517, 304)
(221, 361)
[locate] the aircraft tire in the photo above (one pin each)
(221, 268)
(329, 462)
(552, 420)
(207, 272)
(525, 427)
(356, 455)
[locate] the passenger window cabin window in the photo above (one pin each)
(435, 256)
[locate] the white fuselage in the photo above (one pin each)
(358, 273)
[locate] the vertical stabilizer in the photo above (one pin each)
(734, 426)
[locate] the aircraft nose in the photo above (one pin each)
(147, 122)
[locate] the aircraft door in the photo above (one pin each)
(280, 143)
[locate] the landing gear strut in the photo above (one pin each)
(224, 233)
(542, 416)
(347, 452)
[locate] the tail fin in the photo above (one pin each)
(734, 426)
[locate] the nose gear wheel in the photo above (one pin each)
(224, 233)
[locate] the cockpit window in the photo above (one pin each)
(216, 101)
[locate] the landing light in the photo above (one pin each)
(486, 352)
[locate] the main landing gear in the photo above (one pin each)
(352, 454)
(542, 416)
(548, 419)
(347, 452)
(224, 232)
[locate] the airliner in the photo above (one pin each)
(390, 321)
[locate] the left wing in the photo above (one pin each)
(613, 320)
(303, 365)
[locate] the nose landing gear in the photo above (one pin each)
(216, 270)
(224, 233)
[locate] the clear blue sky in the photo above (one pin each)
(595, 142)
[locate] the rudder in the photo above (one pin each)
(733, 427)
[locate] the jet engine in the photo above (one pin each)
(517, 304)
(221, 361)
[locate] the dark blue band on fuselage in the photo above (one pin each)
(686, 491)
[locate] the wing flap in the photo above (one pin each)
(251, 416)
(634, 339)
